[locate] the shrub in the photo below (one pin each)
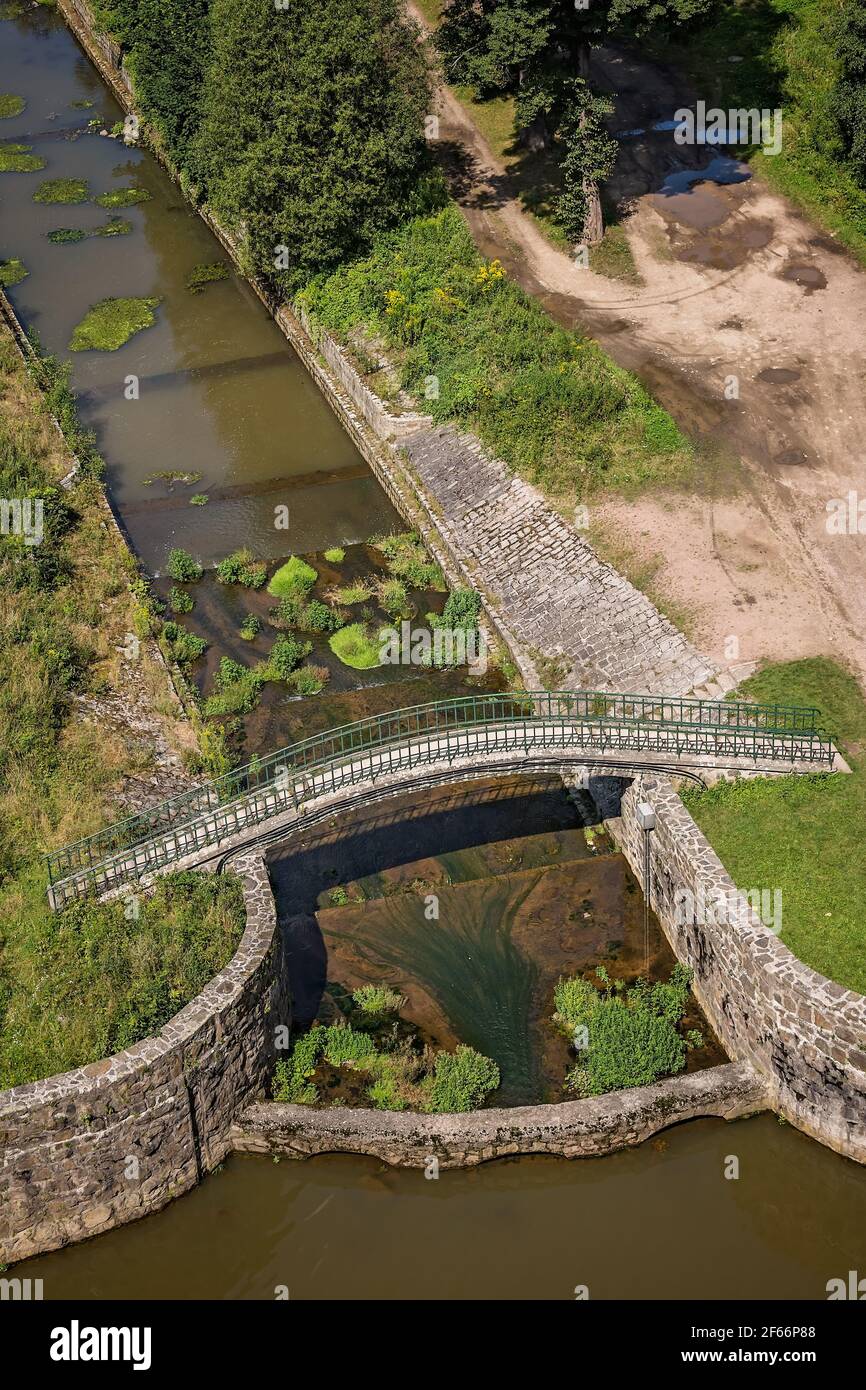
(407, 559)
(346, 1047)
(308, 680)
(183, 647)
(349, 594)
(355, 646)
(241, 567)
(285, 655)
(462, 608)
(460, 1081)
(316, 616)
(378, 1000)
(229, 672)
(179, 601)
(182, 567)
(250, 627)
(292, 1076)
(394, 598)
(293, 579)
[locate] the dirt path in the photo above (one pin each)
(754, 293)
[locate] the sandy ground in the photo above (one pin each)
(736, 284)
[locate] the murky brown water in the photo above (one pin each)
(657, 1222)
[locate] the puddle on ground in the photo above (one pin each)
(792, 458)
(808, 276)
(513, 916)
(722, 250)
(685, 198)
(779, 376)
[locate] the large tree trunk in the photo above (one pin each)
(593, 226)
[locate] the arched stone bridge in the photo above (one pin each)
(448, 740)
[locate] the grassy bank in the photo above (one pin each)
(789, 59)
(803, 834)
(475, 350)
(74, 986)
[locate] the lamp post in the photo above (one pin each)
(646, 819)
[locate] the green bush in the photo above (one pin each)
(378, 1000)
(462, 609)
(183, 647)
(292, 1075)
(285, 655)
(293, 579)
(179, 601)
(250, 627)
(407, 559)
(308, 680)
(182, 567)
(316, 616)
(241, 567)
(460, 1081)
(346, 1047)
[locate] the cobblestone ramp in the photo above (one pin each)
(552, 590)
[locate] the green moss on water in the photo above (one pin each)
(206, 275)
(17, 159)
(111, 323)
(10, 105)
(12, 272)
(61, 235)
(356, 646)
(62, 191)
(122, 197)
(115, 226)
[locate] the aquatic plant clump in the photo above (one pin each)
(204, 275)
(356, 646)
(111, 323)
(183, 567)
(115, 226)
(122, 198)
(179, 601)
(12, 272)
(242, 567)
(62, 191)
(295, 577)
(10, 105)
(377, 1001)
(623, 1037)
(18, 159)
(308, 680)
(61, 235)
(335, 556)
(407, 559)
(250, 627)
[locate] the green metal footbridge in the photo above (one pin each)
(467, 736)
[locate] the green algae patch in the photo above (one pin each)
(17, 159)
(115, 226)
(355, 646)
(10, 105)
(61, 235)
(111, 323)
(122, 198)
(12, 272)
(62, 191)
(203, 275)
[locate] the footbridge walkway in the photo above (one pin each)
(456, 739)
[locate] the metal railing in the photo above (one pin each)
(473, 725)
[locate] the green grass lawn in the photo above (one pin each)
(803, 834)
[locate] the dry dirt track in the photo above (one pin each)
(748, 552)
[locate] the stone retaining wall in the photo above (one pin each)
(573, 1129)
(93, 1148)
(802, 1032)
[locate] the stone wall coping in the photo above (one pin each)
(223, 990)
(726, 1091)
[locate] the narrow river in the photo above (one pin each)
(222, 396)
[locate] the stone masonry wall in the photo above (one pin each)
(803, 1033)
(88, 1150)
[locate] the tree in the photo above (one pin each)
(165, 45)
(847, 31)
(312, 128)
(539, 51)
